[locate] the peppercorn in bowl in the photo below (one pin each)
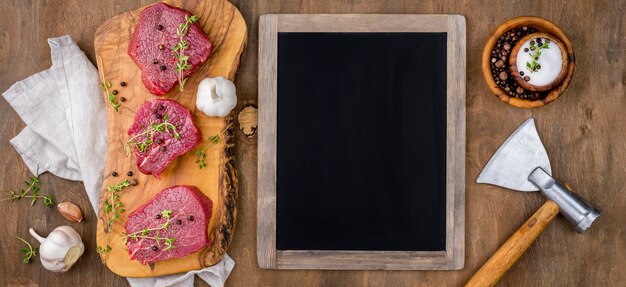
(497, 69)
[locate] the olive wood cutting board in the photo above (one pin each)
(226, 29)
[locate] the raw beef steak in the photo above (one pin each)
(179, 216)
(162, 131)
(152, 42)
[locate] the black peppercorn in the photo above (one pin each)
(162, 148)
(130, 173)
(123, 84)
(521, 73)
(161, 107)
(114, 173)
(159, 27)
(133, 182)
(526, 50)
(161, 47)
(179, 222)
(503, 75)
(115, 92)
(158, 216)
(159, 141)
(154, 248)
(538, 67)
(163, 68)
(190, 218)
(532, 48)
(158, 116)
(527, 78)
(532, 42)
(155, 61)
(122, 99)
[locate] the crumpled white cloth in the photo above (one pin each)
(66, 135)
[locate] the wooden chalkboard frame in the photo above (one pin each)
(452, 258)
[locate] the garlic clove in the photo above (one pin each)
(73, 254)
(61, 249)
(70, 211)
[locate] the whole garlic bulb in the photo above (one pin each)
(216, 97)
(61, 249)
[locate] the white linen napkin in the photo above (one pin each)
(66, 135)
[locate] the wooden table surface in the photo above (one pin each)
(584, 132)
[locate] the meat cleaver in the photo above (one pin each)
(522, 164)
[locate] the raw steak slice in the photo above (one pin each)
(152, 42)
(186, 219)
(162, 131)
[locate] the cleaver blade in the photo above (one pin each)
(516, 159)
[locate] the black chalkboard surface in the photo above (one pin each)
(361, 141)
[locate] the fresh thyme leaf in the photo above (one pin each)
(144, 233)
(33, 186)
(105, 85)
(104, 252)
(29, 252)
(166, 213)
(112, 206)
(535, 53)
(213, 140)
(142, 146)
(179, 50)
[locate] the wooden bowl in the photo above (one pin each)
(541, 25)
(519, 79)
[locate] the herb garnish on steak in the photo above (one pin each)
(156, 35)
(173, 224)
(162, 131)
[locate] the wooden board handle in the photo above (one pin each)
(514, 247)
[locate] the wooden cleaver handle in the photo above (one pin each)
(514, 247)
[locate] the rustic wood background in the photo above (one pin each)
(583, 131)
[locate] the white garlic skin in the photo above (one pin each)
(61, 249)
(216, 97)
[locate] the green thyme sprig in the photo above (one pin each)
(29, 252)
(143, 145)
(110, 96)
(33, 186)
(167, 241)
(535, 53)
(213, 140)
(179, 50)
(105, 85)
(112, 206)
(104, 252)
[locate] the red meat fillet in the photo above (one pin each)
(189, 216)
(152, 42)
(153, 149)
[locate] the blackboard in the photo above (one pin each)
(361, 149)
(360, 127)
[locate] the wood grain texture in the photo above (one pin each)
(583, 132)
(453, 257)
(226, 28)
(491, 272)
